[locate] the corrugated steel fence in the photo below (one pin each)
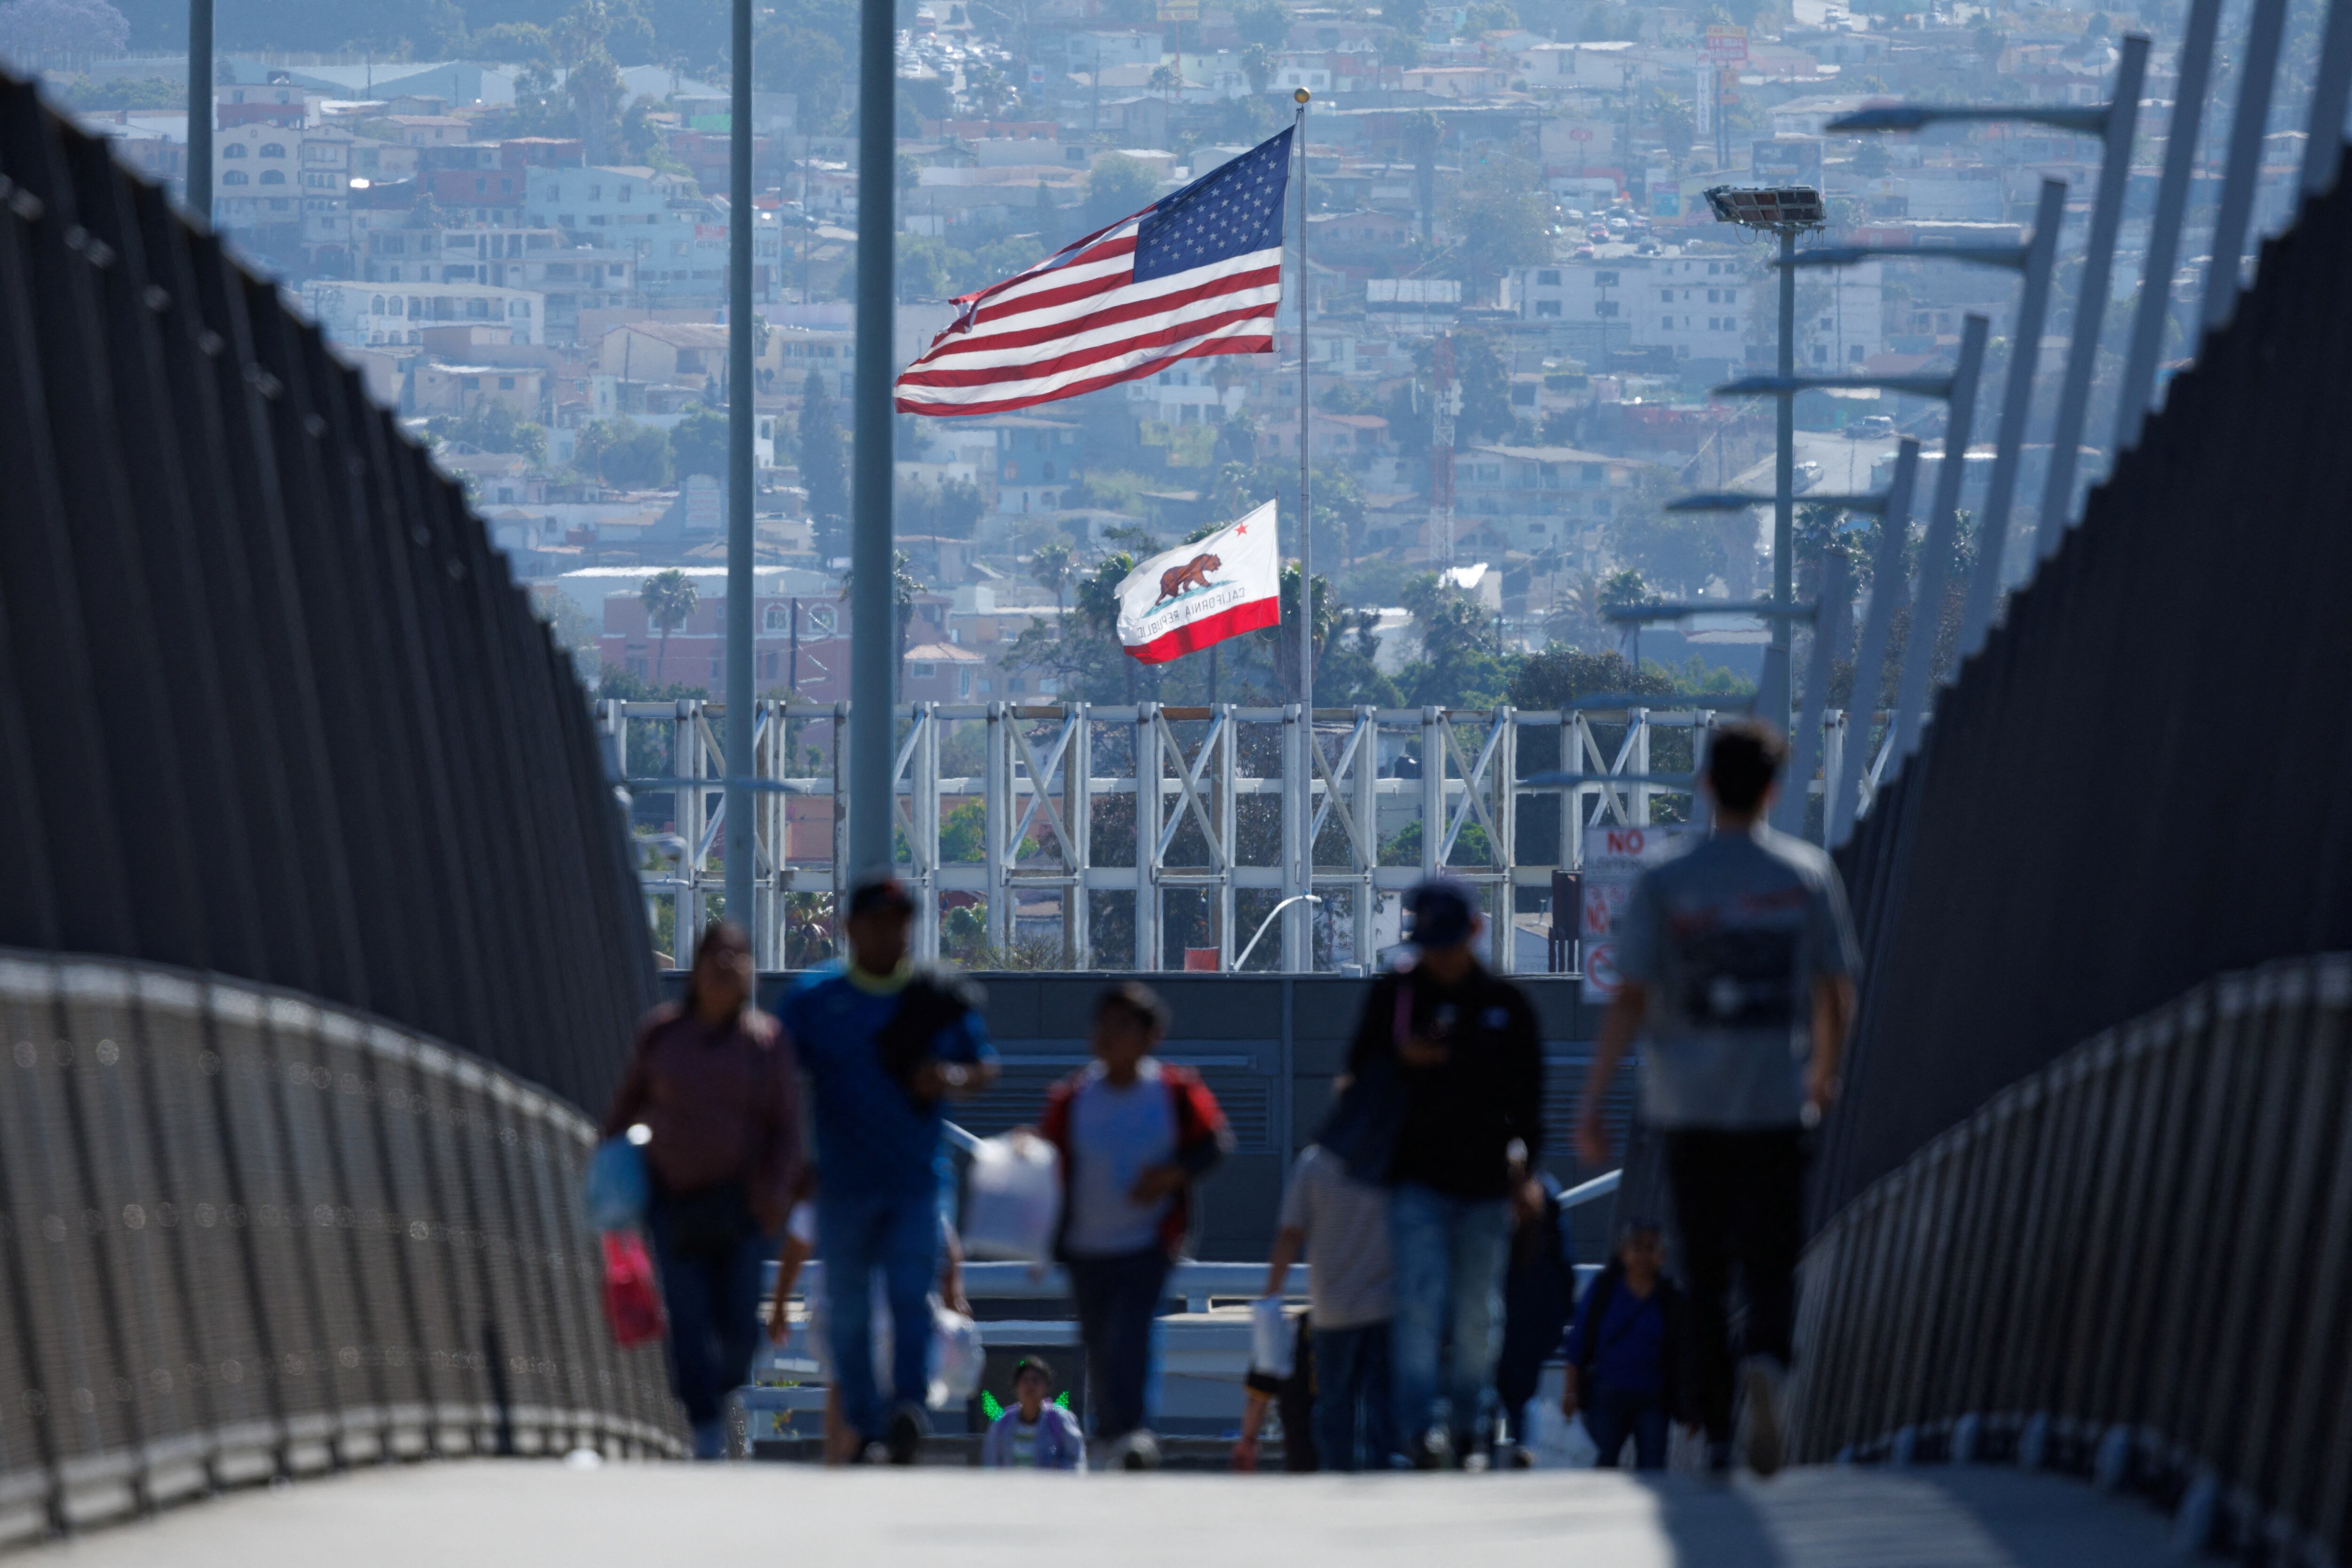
(244, 1235)
(270, 706)
(315, 894)
(2111, 1255)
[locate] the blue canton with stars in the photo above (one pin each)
(1231, 211)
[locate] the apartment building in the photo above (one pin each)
(379, 315)
(1698, 306)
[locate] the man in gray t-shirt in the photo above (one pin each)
(1342, 1224)
(1728, 943)
(1737, 960)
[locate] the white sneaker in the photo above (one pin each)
(1763, 1439)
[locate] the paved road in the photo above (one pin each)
(490, 1514)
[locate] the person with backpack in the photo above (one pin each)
(712, 1083)
(1134, 1134)
(885, 1045)
(1449, 1061)
(1626, 1350)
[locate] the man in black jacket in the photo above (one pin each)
(1453, 1051)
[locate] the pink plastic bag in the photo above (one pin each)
(632, 1300)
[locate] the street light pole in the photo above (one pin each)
(870, 554)
(742, 836)
(1772, 691)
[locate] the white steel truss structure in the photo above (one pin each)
(1010, 819)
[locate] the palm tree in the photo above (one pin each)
(903, 589)
(1051, 567)
(1165, 81)
(668, 598)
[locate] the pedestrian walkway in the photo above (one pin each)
(496, 1515)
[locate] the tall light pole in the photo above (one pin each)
(1786, 212)
(743, 848)
(200, 112)
(870, 554)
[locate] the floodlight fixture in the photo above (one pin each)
(1783, 209)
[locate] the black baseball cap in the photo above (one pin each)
(876, 894)
(1443, 913)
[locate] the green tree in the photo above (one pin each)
(698, 444)
(1116, 187)
(1050, 566)
(1258, 61)
(624, 452)
(669, 599)
(1423, 132)
(903, 589)
(1408, 17)
(824, 467)
(1459, 665)
(1504, 216)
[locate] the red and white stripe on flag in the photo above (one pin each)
(1181, 600)
(1197, 273)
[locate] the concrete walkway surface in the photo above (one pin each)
(522, 1514)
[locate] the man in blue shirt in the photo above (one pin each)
(883, 1045)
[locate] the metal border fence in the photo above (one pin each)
(245, 1234)
(2134, 1264)
(1501, 798)
(2075, 841)
(270, 705)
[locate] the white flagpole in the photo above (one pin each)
(1301, 913)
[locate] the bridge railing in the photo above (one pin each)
(244, 1235)
(2134, 1264)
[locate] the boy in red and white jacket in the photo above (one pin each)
(1134, 1133)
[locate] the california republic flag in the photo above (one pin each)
(1182, 600)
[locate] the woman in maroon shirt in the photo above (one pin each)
(713, 1082)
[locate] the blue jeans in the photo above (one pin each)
(713, 1300)
(897, 1234)
(1450, 1254)
(1613, 1415)
(1351, 1398)
(1119, 1306)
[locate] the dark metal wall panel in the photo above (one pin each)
(2133, 786)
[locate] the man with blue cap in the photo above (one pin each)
(1448, 1066)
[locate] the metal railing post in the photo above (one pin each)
(2193, 77)
(1829, 637)
(1887, 591)
(1919, 671)
(2091, 300)
(2017, 398)
(2265, 28)
(2323, 151)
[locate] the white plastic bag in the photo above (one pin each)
(1273, 1343)
(1013, 1199)
(1559, 1442)
(956, 1357)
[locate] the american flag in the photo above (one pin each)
(1199, 272)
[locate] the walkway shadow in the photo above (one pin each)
(1846, 1517)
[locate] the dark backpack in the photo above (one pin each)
(933, 1000)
